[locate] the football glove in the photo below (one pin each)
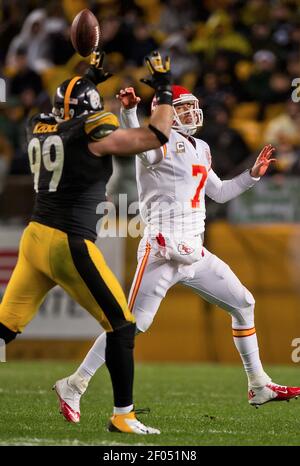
(161, 78)
(95, 72)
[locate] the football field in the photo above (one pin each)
(192, 404)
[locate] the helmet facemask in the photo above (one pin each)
(182, 96)
(193, 115)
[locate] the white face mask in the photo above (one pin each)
(188, 117)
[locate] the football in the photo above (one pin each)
(85, 32)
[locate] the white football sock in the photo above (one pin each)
(95, 358)
(124, 410)
(247, 346)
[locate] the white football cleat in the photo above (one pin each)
(272, 392)
(129, 424)
(69, 399)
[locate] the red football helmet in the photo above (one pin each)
(182, 96)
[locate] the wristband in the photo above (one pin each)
(160, 136)
(164, 95)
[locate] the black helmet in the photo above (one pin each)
(76, 97)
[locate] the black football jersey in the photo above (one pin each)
(68, 179)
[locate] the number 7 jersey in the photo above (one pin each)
(172, 191)
(69, 180)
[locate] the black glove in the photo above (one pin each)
(95, 72)
(160, 79)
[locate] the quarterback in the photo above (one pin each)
(172, 183)
(70, 157)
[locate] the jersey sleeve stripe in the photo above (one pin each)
(104, 119)
(164, 148)
(96, 116)
(101, 116)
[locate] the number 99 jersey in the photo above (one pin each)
(69, 180)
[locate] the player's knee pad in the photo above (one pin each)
(244, 314)
(6, 334)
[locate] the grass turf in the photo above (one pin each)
(192, 404)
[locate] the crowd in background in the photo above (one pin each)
(238, 57)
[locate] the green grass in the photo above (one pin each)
(191, 404)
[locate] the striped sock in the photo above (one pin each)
(245, 340)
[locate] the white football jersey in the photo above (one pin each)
(172, 190)
(172, 182)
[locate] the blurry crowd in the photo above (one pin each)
(238, 57)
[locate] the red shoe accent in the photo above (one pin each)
(251, 394)
(69, 414)
(284, 393)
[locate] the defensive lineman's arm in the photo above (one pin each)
(136, 140)
(129, 119)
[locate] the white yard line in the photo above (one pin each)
(23, 392)
(19, 441)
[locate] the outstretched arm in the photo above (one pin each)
(137, 140)
(263, 161)
(223, 191)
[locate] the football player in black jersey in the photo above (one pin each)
(70, 157)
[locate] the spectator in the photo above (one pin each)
(228, 148)
(182, 62)
(285, 128)
(27, 85)
(11, 122)
(293, 64)
(257, 87)
(13, 14)
(142, 44)
(56, 47)
(115, 37)
(287, 160)
(209, 91)
(261, 37)
(219, 35)
(31, 37)
(176, 15)
(25, 77)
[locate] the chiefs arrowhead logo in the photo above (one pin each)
(184, 249)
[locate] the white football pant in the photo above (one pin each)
(210, 277)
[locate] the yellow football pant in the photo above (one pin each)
(49, 257)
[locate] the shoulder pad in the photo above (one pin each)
(100, 124)
(32, 120)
